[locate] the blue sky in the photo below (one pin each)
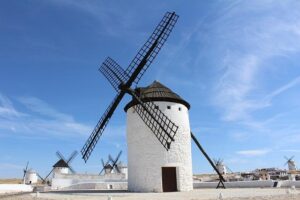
(236, 62)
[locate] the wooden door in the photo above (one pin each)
(169, 181)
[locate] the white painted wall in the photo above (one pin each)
(31, 177)
(64, 181)
(249, 184)
(146, 155)
(12, 188)
(221, 168)
(60, 170)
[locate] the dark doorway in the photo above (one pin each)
(169, 181)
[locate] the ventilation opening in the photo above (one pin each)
(179, 108)
(168, 107)
(156, 107)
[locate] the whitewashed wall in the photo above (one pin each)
(146, 155)
(12, 188)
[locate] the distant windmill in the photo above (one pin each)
(114, 162)
(291, 163)
(63, 165)
(111, 164)
(220, 165)
(25, 171)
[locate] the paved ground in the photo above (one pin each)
(198, 194)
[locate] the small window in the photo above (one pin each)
(168, 107)
(179, 108)
(156, 107)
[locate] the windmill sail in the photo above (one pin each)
(122, 80)
(150, 49)
(162, 127)
(98, 130)
(114, 73)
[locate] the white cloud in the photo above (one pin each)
(250, 53)
(38, 106)
(42, 120)
(253, 152)
(7, 109)
(283, 88)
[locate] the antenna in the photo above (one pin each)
(121, 80)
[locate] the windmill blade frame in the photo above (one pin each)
(114, 73)
(161, 126)
(71, 169)
(90, 144)
(152, 47)
(72, 156)
(136, 69)
(116, 160)
(104, 166)
(25, 171)
(49, 174)
(60, 156)
(43, 180)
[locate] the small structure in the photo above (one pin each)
(123, 169)
(60, 167)
(31, 177)
(108, 168)
(150, 167)
(291, 163)
(221, 166)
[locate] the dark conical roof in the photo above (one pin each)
(61, 163)
(157, 92)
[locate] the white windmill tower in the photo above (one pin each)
(291, 167)
(291, 163)
(158, 130)
(30, 176)
(221, 166)
(150, 166)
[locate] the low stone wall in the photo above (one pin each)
(250, 184)
(87, 181)
(14, 188)
(236, 184)
(98, 186)
(289, 184)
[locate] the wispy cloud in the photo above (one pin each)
(250, 51)
(42, 120)
(283, 88)
(7, 110)
(114, 21)
(38, 106)
(254, 152)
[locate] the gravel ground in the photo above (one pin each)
(199, 194)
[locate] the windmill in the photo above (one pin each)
(162, 127)
(157, 122)
(115, 164)
(63, 164)
(25, 171)
(291, 163)
(105, 166)
(111, 165)
(220, 165)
